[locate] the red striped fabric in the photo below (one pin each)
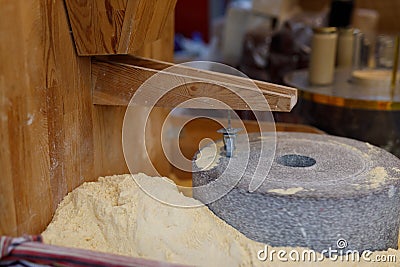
(30, 251)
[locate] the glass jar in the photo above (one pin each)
(345, 44)
(323, 55)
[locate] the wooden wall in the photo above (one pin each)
(51, 136)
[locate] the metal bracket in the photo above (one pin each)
(229, 137)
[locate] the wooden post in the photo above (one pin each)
(52, 137)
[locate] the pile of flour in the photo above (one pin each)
(114, 215)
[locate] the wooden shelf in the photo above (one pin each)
(115, 80)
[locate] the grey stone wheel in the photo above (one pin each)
(320, 189)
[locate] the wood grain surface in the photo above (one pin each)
(23, 122)
(116, 79)
(97, 25)
(104, 27)
(187, 70)
(52, 137)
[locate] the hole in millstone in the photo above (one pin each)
(293, 160)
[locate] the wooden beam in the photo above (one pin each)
(107, 27)
(96, 25)
(117, 78)
(144, 23)
(206, 74)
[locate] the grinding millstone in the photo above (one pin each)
(319, 189)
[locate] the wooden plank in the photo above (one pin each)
(161, 48)
(145, 22)
(105, 27)
(205, 74)
(108, 155)
(97, 25)
(8, 223)
(115, 83)
(69, 114)
(46, 115)
(23, 125)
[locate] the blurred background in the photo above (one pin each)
(272, 40)
(255, 35)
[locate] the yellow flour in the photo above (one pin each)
(114, 215)
(377, 176)
(289, 191)
(209, 156)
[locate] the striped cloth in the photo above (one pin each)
(31, 251)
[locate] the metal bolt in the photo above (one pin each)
(229, 137)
